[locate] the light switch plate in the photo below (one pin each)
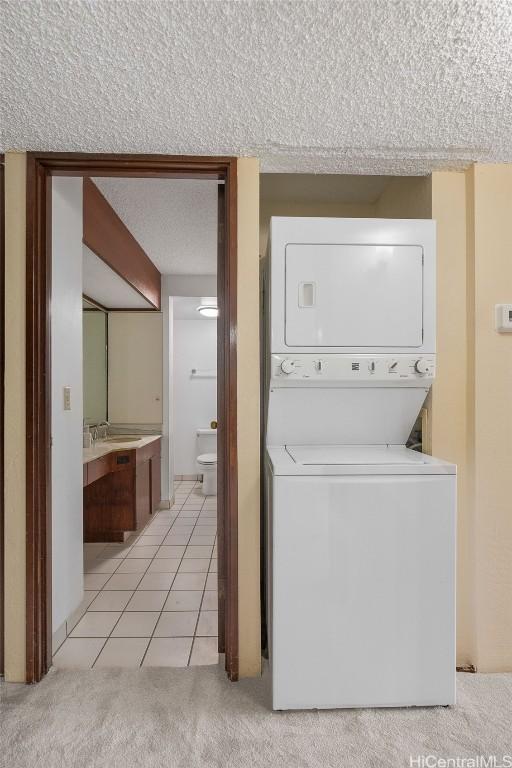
(504, 318)
(67, 398)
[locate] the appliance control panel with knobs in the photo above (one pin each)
(288, 366)
(350, 369)
(422, 366)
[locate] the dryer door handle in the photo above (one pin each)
(307, 294)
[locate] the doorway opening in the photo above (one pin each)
(147, 594)
(41, 172)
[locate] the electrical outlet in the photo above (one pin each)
(67, 398)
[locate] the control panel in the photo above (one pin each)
(353, 368)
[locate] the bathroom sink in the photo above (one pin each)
(121, 439)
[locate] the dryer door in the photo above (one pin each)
(354, 296)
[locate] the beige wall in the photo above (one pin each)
(269, 208)
(472, 400)
(135, 367)
(449, 406)
(14, 485)
(492, 417)
(94, 341)
(248, 434)
(407, 197)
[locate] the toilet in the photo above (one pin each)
(207, 459)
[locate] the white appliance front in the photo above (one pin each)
(354, 295)
(352, 285)
(361, 590)
(360, 530)
(345, 415)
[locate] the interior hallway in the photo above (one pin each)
(151, 601)
(195, 718)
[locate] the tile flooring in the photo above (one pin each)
(152, 601)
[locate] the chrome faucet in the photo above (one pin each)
(103, 430)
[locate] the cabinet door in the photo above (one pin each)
(156, 492)
(143, 493)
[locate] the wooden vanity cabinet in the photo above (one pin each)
(142, 493)
(155, 464)
(121, 491)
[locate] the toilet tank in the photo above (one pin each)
(206, 441)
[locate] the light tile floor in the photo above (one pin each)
(152, 600)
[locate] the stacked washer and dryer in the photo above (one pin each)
(360, 529)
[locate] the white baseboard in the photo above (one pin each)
(68, 626)
(58, 637)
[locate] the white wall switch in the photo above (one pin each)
(504, 318)
(67, 398)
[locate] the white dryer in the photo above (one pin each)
(360, 529)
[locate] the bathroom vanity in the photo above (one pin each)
(121, 481)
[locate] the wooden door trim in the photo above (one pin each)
(40, 168)
(108, 237)
(227, 432)
(2, 396)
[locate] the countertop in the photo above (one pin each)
(101, 448)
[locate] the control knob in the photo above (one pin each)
(422, 366)
(288, 366)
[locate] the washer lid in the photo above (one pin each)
(326, 455)
(344, 416)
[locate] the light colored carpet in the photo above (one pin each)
(195, 718)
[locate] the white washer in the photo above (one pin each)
(361, 577)
(360, 530)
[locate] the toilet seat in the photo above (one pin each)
(207, 459)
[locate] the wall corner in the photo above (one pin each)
(248, 395)
(15, 416)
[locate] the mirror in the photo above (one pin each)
(95, 363)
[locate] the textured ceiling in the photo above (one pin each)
(175, 221)
(352, 86)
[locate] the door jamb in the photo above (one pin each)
(40, 169)
(2, 398)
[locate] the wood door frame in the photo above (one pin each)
(40, 169)
(2, 403)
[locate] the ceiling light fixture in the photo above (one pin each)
(208, 307)
(208, 311)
